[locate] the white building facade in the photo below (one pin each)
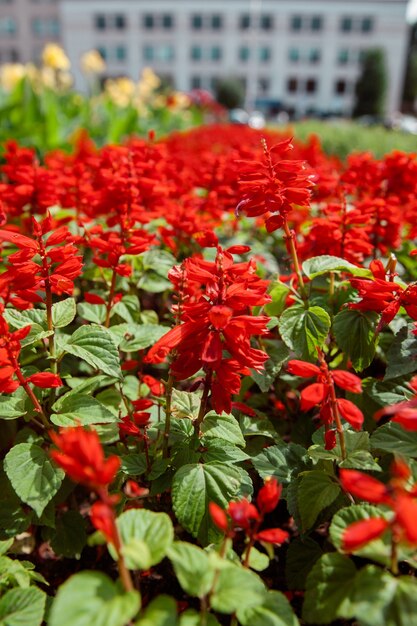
(302, 55)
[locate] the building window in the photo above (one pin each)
(159, 52)
(45, 27)
(215, 53)
(292, 85)
(264, 54)
(296, 23)
(314, 55)
(120, 53)
(340, 87)
(148, 21)
(110, 21)
(196, 53)
(119, 22)
(343, 56)
(294, 55)
(8, 26)
(244, 53)
(267, 22)
(244, 22)
(197, 22)
(346, 24)
(195, 82)
(167, 21)
(311, 85)
(264, 85)
(100, 22)
(367, 25)
(316, 23)
(216, 22)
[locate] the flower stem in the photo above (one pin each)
(292, 249)
(110, 299)
(394, 555)
(336, 417)
(203, 404)
(125, 576)
(168, 401)
(31, 395)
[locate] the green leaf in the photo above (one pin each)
(328, 588)
(11, 407)
(94, 344)
(357, 451)
(162, 611)
(185, 404)
(95, 313)
(13, 519)
(63, 312)
(394, 438)
(378, 550)
(302, 554)
(70, 535)
(22, 607)
(278, 354)
(139, 337)
(355, 334)
(219, 450)
(152, 529)
(33, 475)
(92, 599)
(194, 487)
(316, 492)
(401, 354)
(318, 265)
(373, 593)
(222, 427)
(237, 588)
(274, 611)
(258, 560)
(190, 617)
(303, 330)
(81, 408)
(278, 293)
(281, 461)
(192, 567)
(134, 464)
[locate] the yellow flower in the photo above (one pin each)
(92, 62)
(11, 74)
(53, 56)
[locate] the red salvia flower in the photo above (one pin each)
(397, 495)
(81, 455)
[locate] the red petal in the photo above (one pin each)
(363, 486)
(272, 535)
(347, 381)
(360, 533)
(300, 368)
(312, 395)
(350, 413)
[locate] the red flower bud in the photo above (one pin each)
(269, 495)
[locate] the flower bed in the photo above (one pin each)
(208, 398)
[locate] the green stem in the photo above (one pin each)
(30, 393)
(110, 298)
(168, 402)
(336, 417)
(394, 554)
(292, 249)
(203, 404)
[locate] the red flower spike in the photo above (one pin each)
(272, 535)
(81, 456)
(219, 517)
(406, 515)
(312, 395)
(365, 487)
(360, 533)
(301, 368)
(347, 380)
(133, 490)
(243, 513)
(269, 495)
(330, 439)
(103, 519)
(45, 380)
(350, 413)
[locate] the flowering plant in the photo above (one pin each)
(208, 413)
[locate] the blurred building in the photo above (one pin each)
(302, 55)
